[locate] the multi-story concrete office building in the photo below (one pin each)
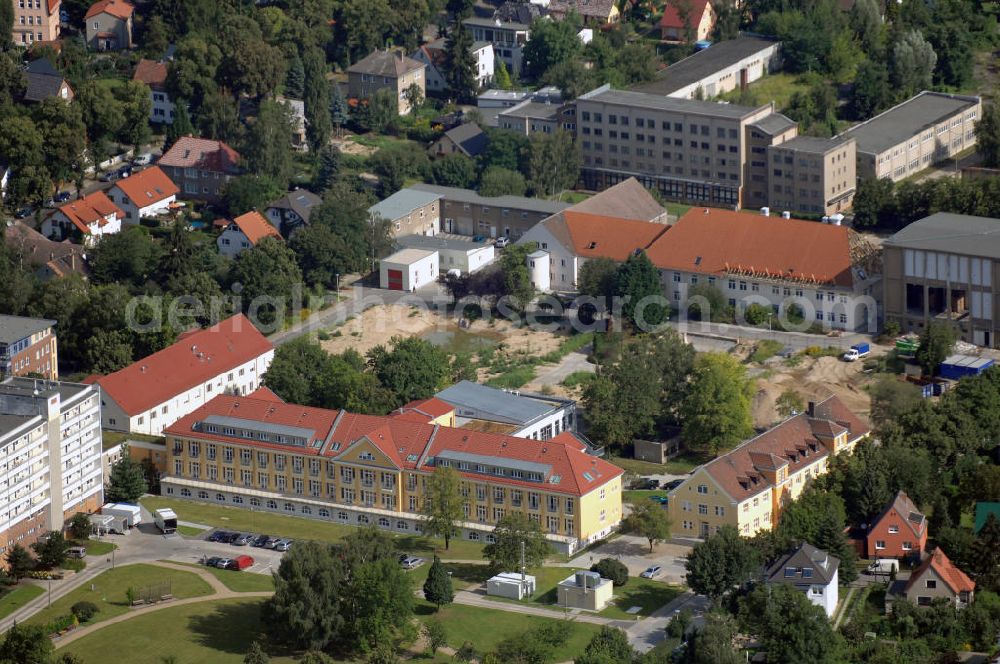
(812, 175)
(28, 346)
(363, 469)
(465, 212)
(906, 139)
(50, 434)
(508, 39)
(692, 151)
(946, 268)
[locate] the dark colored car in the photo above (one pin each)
(232, 538)
(218, 536)
(260, 541)
(24, 212)
(646, 484)
(213, 561)
(124, 171)
(479, 238)
(672, 484)
(244, 540)
(63, 196)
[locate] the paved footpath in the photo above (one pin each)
(220, 591)
(477, 599)
(645, 634)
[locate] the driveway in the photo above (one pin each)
(646, 634)
(634, 552)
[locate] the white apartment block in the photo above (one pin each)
(50, 433)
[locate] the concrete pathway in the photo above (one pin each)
(645, 634)
(475, 599)
(220, 591)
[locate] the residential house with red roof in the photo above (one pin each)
(244, 232)
(148, 193)
(109, 25)
(749, 486)
(49, 258)
(357, 469)
(938, 578)
(35, 21)
(229, 357)
(900, 531)
(92, 216)
(687, 20)
(200, 167)
(154, 74)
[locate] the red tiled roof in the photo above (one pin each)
(147, 187)
(202, 153)
(594, 235)
(793, 443)
(715, 241)
(53, 5)
(117, 8)
(408, 444)
(265, 393)
(431, 408)
(191, 361)
(255, 227)
(91, 208)
(150, 72)
(908, 512)
(956, 579)
(672, 17)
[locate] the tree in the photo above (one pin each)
(267, 149)
(454, 170)
(649, 520)
(256, 655)
(554, 164)
(308, 608)
(327, 168)
(443, 505)
(713, 643)
(65, 138)
(295, 77)
(414, 97)
(716, 411)
(790, 627)
(252, 67)
(865, 19)
(610, 568)
(26, 645)
(181, 126)
(911, 64)
(874, 196)
(988, 134)
(437, 637)
(598, 279)
(126, 483)
(79, 526)
(513, 530)
(437, 587)
(51, 550)
(638, 283)
(129, 257)
(721, 563)
(707, 303)
(789, 403)
(936, 343)
(380, 111)
(501, 77)
(498, 181)
(984, 555)
(506, 149)
(317, 100)
(459, 65)
(136, 107)
(268, 276)
(6, 26)
(19, 562)
(551, 42)
(249, 192)
(414, 368)
(572, 77)
(340, 112)
(608, 646)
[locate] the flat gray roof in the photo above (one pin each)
(495, 24)
(408, 256)
(402, 203)
(703, 64)
(906, 120)
(503, 406)
(21, 386)
(632, 99)
(953, 233)
(531, 109)
(469, 196)
(267, 427)
(440, 242)
(811, 144)
(15, 328)
(542, 469)
(775, 123)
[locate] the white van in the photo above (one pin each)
(883, 566)
(76, 552)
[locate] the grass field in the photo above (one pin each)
(679, 465)
(18, 597)
(241, 582)
(215, 632)
(112, 438)
(233, 518)
(110, 587)
(677, 209)
(573, 197)
(774, 87)
(633, 495)
(96, 547)
(190, 531)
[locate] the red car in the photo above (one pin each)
(240, 563)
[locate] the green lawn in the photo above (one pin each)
(679, 465)
(96, 547)
(214, 632)
(241, 582)
(112, 438)
(677, 209)
(18, 597)
(463, 575)
(634, 495)
(778, 88)
(190, 531)
(578, 379)
(110, 587)
(573, 197)
(234, 518)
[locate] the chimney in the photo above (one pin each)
(399, 54)
(811, 408)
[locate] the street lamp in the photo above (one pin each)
(338, 285)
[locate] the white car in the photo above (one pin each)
(412, 562)
(223, 563)
(144, 159)
(651, 572)
(501, 242)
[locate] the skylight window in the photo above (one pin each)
(807, 572)
(593, 245)
(791, 572)
(588, 477)
(697, 260)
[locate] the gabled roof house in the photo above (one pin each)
(937, 578)
(900, 531)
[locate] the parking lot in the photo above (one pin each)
(634, 552)
(200, 549)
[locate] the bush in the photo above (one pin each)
(609, 568)
(84, 611)
(61, 623)
(74, 564)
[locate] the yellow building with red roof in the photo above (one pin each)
(364, 469)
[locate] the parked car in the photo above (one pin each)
(479, 238)
(223, 563)
(883, 566)
(672, 484)
(660, 499)
(76, 552)
(145, 159)
(284, 545)
(645, 484)
(240, 563)
(260, 541)
(403, 556)
(24, 212)
(213, 561)
(110, 176)
(232, 538)
(412, 562)
(501, 242)
(272, 542)
(243, 540)
(219, 536)
(63, 196)
(651, 572)
(125, 171)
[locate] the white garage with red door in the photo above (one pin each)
(408, 269)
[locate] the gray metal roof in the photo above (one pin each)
(605, 94)
(469, 196)
(300, 201)
(469, 137)
(503, 406)
(703, 64)
(531, 109)
(906, 120)
(402, 203)
(542, 469)
(496, 24)
(806, 565)
(811, 144)
(775, 123)
(266, 427)
(439, 242)
(953, 233)
(15, 328)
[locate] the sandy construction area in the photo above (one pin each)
(813, 379)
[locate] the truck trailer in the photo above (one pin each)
(165, 520)
(125, 516)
